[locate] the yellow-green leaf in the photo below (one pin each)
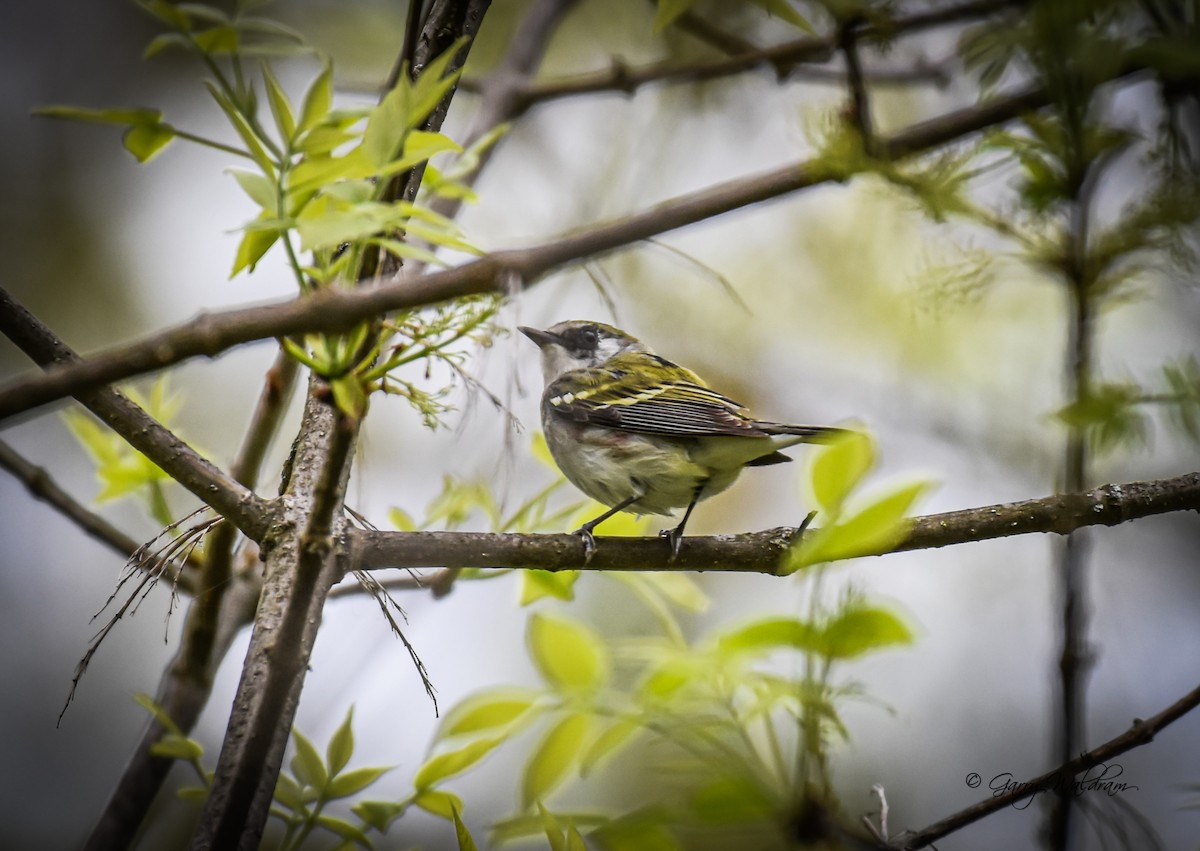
(568, 655)
(281, 106)
(449, 763)
(307, 764)
(875, 529)
(488, 710)
(317, 99)
(465, 842)
(354, 781)
(536, 584)
(838, 467)
(439, 802)
(144, 141)
(554, 757)
(615, 736)
(261, 191)
(862, 629)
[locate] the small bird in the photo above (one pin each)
(638, 433)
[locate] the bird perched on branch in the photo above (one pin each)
(641, 434)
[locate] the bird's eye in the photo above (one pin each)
(590, 336)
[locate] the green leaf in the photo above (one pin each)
(218, 40)
(167, 13)
(526, 826)
(769, 634)
(875, 529)
(345, 830)
(615, 736)
(837, 468)
(465, 842)
(160, 715)
(488, 710)
(317, 100)
(341, 744)
(192, 793)
(288, 792)
(552, 829)
(124, 117)
(164, 40)
(322, 227)
(353, 782)
(349, 395)
(259, 188)
(574, 839)
(401, 519)
(567, 654)
(307, 764)
(173, 746)
(281, 107)
(680, 589)
(784, 10)
(146, 140)
(862, 629)
(536, 584)
(378, 814)
(731, 800)
(669, 11)
(554, 758)
(254, 145)
(253, 245)
(439, 802)
(449, 763)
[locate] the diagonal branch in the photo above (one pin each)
(1059, 779)
(783, 57)
(43, 487)
(762, 552)
(334, 310)
(211, 485)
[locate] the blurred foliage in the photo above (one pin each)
(124, 471)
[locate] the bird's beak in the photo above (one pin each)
(538, 336)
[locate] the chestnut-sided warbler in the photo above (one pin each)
(640, 434)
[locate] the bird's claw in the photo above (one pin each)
(675, 539)
(589, 543)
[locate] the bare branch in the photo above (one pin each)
(43, 487)
(331, 311)
(1140, 733)
(783, 57)
(300, 569)
(212, 486)
(761, 552)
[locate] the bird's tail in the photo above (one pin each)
(810, 434)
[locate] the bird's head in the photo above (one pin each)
(579, 344)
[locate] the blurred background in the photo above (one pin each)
(850, 315)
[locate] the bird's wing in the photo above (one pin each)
(631, 394)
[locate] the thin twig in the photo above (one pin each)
(623, 78)
(1140, 733)
(43, 487)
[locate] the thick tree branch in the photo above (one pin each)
(1140, 733)
(213, 487)
(331, 311)
(300, 569)
(761, 552)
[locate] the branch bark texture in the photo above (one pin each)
(762, 552)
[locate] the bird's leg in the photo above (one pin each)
(675, 536)
(585, 531)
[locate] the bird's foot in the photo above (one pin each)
(589, 542)
(674, 539)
